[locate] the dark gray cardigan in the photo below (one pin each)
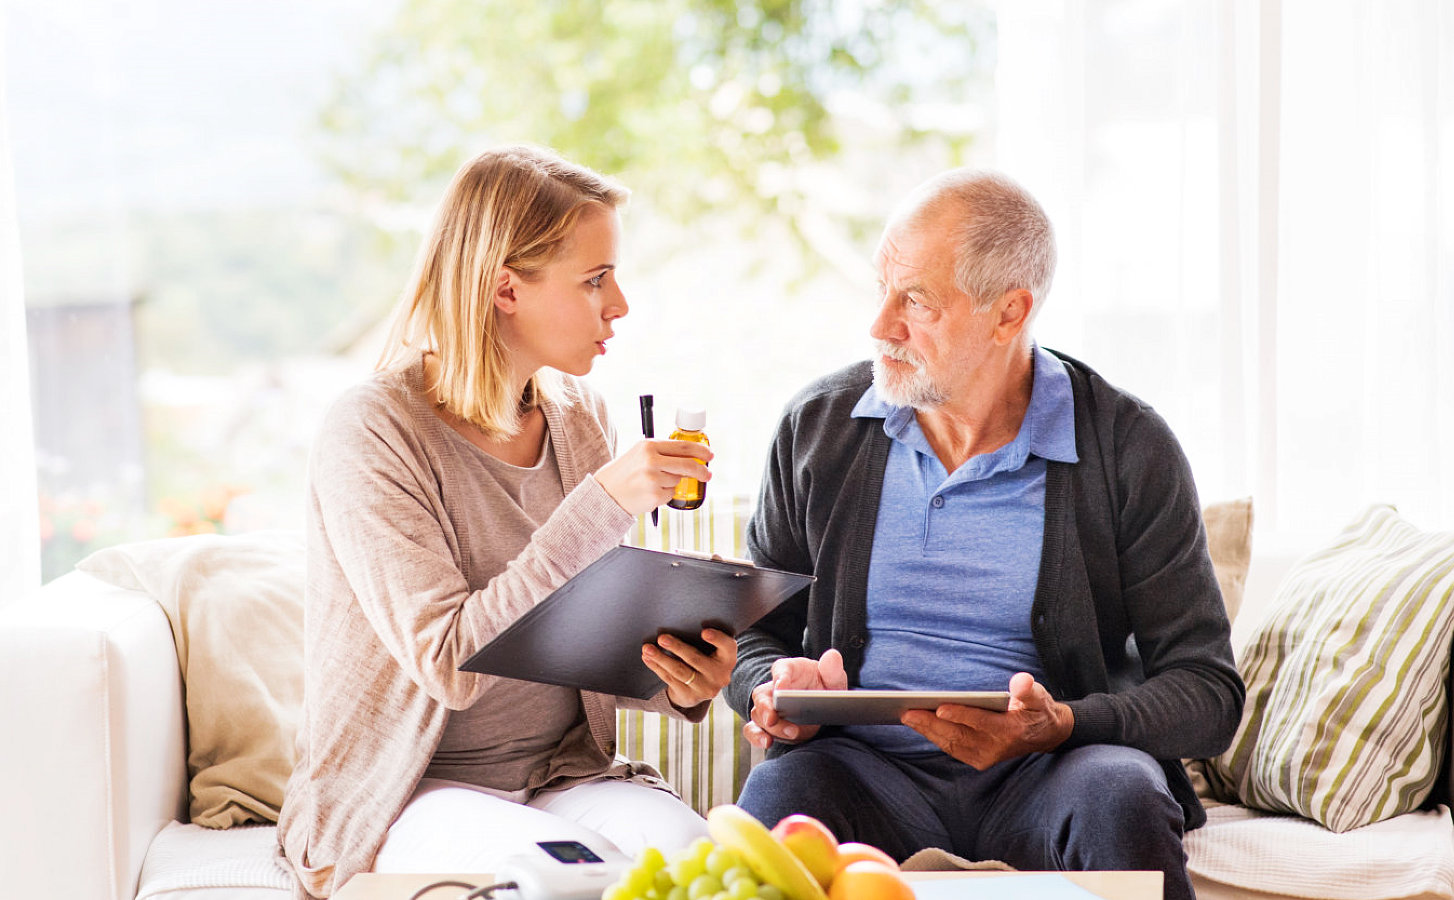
(1127, 616)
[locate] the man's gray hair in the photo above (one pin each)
(1005, 240)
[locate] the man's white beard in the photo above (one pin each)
(914, 390)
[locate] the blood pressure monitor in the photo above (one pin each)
(558, 870)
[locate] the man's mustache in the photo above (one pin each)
(899, 354)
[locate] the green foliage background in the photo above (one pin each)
(740, 124)
(700, 105)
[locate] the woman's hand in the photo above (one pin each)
(693, 677)
(643, 478)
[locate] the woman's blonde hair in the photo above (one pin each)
(508, 207)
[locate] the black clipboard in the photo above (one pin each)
(588, 633)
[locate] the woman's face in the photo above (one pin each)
(562, 317)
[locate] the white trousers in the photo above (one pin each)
(452, 827)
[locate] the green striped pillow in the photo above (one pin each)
(1346, 677)
(706, 762)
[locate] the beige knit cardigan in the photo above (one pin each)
(393, 605)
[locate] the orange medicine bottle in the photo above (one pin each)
(690, 492)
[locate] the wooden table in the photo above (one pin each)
(1107, 885)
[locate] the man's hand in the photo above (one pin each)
(1035, 722)
(794, 673)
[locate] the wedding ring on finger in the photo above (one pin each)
(689, 681)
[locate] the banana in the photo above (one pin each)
(735, 828)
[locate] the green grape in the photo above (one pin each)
(677, 893)
(617, 891)
(703, 887)
(742, 889)
(770, 892)
(742, 874)
(720, 860)
(663, 879)
(640, 881)
(720, 895)
(702, 848)
(651, 860)
(736, 872)
(686, 870)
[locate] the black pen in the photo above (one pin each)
(648, 428)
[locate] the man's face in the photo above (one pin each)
(930, 338)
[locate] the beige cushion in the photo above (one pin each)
(1346, 706)
(1229, 542)
(235, 604)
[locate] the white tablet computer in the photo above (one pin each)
(864, 707)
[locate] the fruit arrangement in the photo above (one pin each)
(799, 859)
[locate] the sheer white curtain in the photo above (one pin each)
(19, 538)
(1254, 204)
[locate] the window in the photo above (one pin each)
(219, 203)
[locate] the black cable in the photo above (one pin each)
(439, 884)
(489, 889)
(474, 891)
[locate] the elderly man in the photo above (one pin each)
(980, 512)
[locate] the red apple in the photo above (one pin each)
(812, 843)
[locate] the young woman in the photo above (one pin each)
(449, 494)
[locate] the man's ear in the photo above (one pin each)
(505, 284)
(1015, 307)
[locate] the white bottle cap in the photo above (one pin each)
(691, 418)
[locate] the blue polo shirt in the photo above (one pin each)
(956, 555)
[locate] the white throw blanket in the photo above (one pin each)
(1294, 856)
(187, 858)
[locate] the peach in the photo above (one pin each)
(812, 843)
(867, 879)
(852, 851)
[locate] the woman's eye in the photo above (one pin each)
(596, 282)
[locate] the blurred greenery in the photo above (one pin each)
(756, 112)
(701, 105)
(227, 286)
(773, 116)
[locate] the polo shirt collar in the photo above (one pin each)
(1051, 416)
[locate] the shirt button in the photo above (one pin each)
(938, 502)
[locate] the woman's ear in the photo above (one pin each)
(504, 298)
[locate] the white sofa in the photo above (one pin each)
(94, 781)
